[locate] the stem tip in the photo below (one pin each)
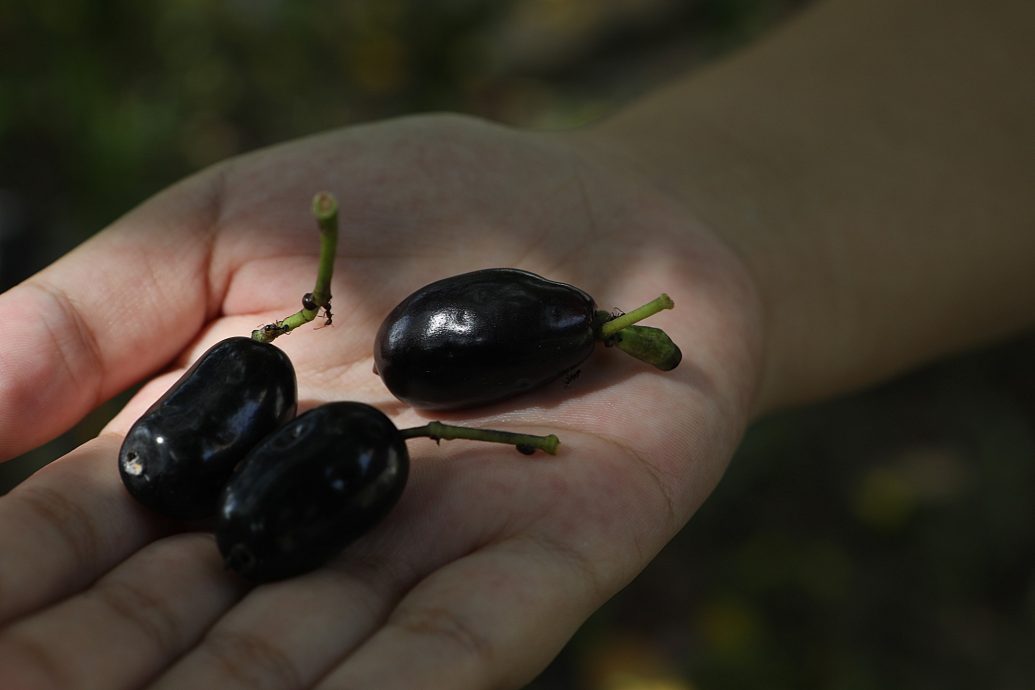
(324, 205)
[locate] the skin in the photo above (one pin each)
(806, 243)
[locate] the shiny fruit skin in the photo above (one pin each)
(178, 456)
(308, 490)
(483, 336)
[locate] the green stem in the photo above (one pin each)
(660, 303)
(325, 209)
(526, 443)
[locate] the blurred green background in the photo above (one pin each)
(885, 540)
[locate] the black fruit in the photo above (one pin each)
(311, 488)
(483, 336)
(178, 456)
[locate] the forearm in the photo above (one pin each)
(871, 164)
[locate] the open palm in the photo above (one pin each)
(491, 559)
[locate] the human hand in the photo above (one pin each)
(491, 559)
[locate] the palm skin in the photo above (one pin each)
(491, 559)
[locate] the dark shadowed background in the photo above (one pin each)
(884, 540)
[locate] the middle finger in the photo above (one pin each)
(285, 635)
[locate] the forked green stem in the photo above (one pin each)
(325, 209)
(660, 303)
(525, 443)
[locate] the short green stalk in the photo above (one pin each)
(612, 326)
(325, 209)
(525, 443)
(647, 344)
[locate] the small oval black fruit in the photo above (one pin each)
(178, 456)
(311, 488)
(483, 336)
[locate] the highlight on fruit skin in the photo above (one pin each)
(179, 454)
(491, 334)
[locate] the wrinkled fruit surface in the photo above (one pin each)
(178, 456)
(483, 336)
(311, 488)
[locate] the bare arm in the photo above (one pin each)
(872, 163)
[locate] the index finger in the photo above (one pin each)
(114, 309)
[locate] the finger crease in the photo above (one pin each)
(443, 624)
(215, 210)
(252, 661)
(64, 518)
(92, 373)
(578, 561)
(378, 580)
(143, 611)
(39, 657)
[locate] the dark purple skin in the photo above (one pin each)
(307, 491)
(483, 336)
(178, 456)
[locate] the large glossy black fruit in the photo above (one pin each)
(310, 489)
(483, 336)
(178, 456)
